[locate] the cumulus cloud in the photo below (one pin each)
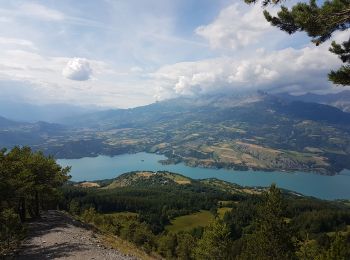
(32, 77)
(26, 54)
(284, 70)
(77, 69)
(236, 26)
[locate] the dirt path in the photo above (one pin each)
(57, 236)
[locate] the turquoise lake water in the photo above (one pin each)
(105, 167)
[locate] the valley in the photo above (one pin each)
(264, 132)
(187, 130)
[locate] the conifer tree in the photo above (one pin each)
(185, 243)
(29, 182)
(339, 249)
(320, 22)
(272, 237)
(215, 242)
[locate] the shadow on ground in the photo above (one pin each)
(50, 252)
(51, 221)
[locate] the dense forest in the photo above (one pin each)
(29, 183)
(265, 224)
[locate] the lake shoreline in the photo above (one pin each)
(169, 161)
(107, 167)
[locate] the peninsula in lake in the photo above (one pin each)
(256, 131)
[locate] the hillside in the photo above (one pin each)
(53, 113)
(258, 131)
(255, 131)
(32, 134)
(164, 178)
(339, 100)
(162, 213)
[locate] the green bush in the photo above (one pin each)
(11, 230)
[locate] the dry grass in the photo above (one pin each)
(251, 191)
(127, 248)
(145, 174)
(178, 178)
(87, 185)
(259, 148)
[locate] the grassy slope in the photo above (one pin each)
(189, 222)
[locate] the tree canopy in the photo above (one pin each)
(272, 237)
(320, 22)
(29, 182)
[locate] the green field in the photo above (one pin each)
(344, 232)
(188, 222)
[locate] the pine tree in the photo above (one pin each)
(215, 242)
(320, 23)
(185, 243)
(29, 182)
(339, 249)
(272, 237)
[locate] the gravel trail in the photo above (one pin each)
(58, 236)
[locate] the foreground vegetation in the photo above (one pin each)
(163, 213)
(232, 222)
(29, 182)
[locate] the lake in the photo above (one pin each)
(105, 167)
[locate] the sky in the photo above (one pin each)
(127, 53)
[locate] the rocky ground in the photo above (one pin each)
(58, 236)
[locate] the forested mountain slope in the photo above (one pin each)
(165, 212)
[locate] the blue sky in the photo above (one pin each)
(125, 53)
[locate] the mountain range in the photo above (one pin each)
(247, 131)
(53, 113)
(339, 100)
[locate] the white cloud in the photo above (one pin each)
(40, 12)
(236, 26)
(34, 77)
(36, 46)
(30, 10)
(11, 42)
(136, 69)
(77, 69)
(284, 70)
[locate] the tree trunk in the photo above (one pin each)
(43, 205)
(31, 210)
(22, 209)
(37, 205)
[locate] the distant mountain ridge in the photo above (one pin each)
(219, 103)
(340, 100)
(53, 113)
(244, 131)
(4, 122)
(23, 133)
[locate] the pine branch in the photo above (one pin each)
(341, 76)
